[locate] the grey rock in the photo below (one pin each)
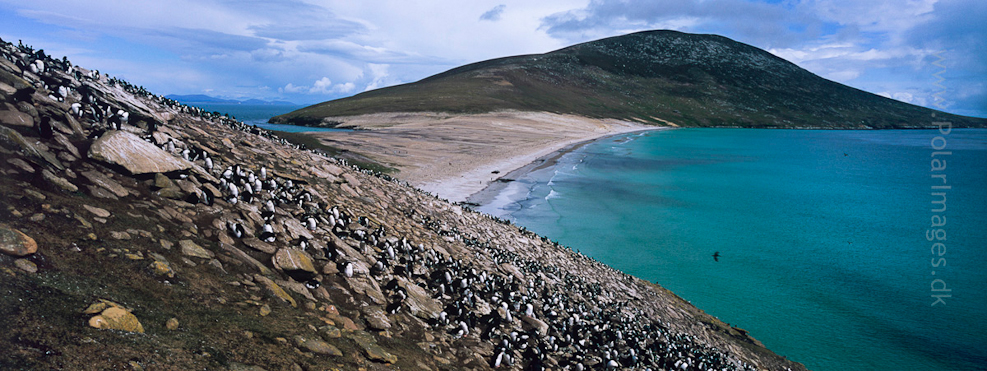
(134, 154)
(59, 181)
(105, 182)
(16, 118)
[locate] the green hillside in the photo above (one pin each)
(652, 76)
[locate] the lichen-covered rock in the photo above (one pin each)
(275, 290)
(317, 346)
(296, 263)
(134, 154)
(16, 243)
(162, 269)
(116, 318)
(172, 324)
(193, 249)
(26, 265)
(371, 349)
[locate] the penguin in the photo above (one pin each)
(234, 192)
(235, 229)
(348, 269)
(267, 234)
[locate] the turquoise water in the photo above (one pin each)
(821, 235)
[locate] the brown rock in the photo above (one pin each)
(234, 366)
(162, 181)
(367, 286)
(172, 324)
(256, 244)
(59, 181)
(26, 265)
(16, 118)
(371, 349)
(16, 243)
(120, 235)
(537, 324)
(420, 303)
(239, 254)
(162, 268)
(21, 164)
(102, 213)
(116, 318)
(134, 154)
(105, 182)
(275, 290)
(193, 249)
(331, 332)
(37, 196)
(10, 138)
(376, 318)
(295, 262)
(317, 346)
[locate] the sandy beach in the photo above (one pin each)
(455, 156)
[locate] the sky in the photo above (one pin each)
(309, 51)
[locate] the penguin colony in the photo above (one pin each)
(530, 324)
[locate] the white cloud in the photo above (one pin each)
(325, 86)
(291, 88)
(378, 74)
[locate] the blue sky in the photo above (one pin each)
(308, 51)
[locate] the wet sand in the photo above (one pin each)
(456, 156)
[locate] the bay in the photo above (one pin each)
(821, 234)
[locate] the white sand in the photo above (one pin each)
(455, 156)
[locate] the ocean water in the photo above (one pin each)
(821, 235)
(251, 114)
(259, 114)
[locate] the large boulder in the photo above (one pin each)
(134, 154)
(16, 243)
(296, 263)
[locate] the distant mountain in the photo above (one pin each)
(653, 77)
(200, 98)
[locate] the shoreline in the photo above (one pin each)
(493, 189)
(463, 189)
(457, 156)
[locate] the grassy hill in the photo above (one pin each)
(652, 77)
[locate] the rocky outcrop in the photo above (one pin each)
(134, 154)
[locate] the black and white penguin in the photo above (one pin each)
(235, 229)
(267, 233)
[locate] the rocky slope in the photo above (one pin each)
(656, 77)
(138, 233)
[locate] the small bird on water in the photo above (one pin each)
(716, 256)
